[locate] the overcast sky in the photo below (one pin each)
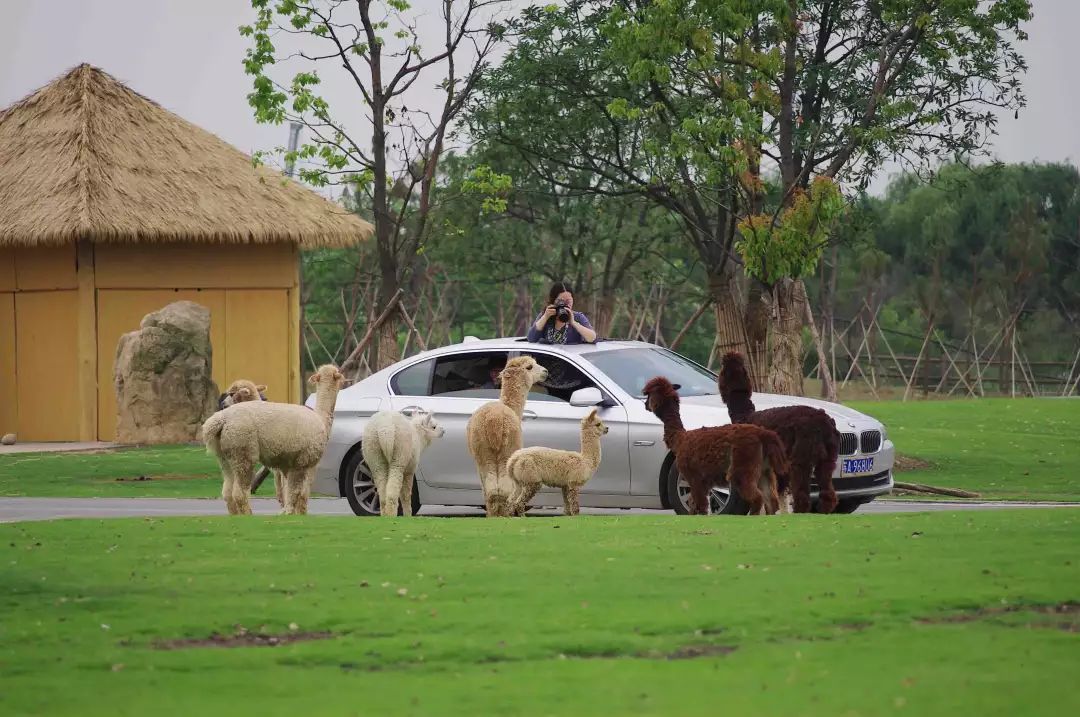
(186, 55)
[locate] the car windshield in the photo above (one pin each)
(631, 368)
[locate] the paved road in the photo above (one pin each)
(19, 509)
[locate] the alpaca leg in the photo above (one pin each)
(227, 482)
(523, 493)
(699, 495)
(243, 470)
(800, 486)
(743, 475)
(279, 488)
(294, 492)
(827, 493)
(380, 472)
(307, 478)
(406, 494)
(571, 500)
(394, 479)
(767, 486)
(504, 489)
(489, 479)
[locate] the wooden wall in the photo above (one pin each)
(250, 290)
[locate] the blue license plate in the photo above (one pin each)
(857, 465)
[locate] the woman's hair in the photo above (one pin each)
(557, 288)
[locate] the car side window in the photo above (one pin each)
(468, 375)
(563, 379)
(413, 381)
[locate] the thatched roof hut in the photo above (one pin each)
(85, 157)
(112, 207)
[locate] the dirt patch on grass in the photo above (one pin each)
(159, 477)
(693, 652)
(1064, 616)
(903, 464)
(243, 638)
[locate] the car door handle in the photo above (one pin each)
(410, 410)
(528, 415)
(644, 443)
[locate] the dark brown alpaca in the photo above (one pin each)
(809, 435)
(742, 457)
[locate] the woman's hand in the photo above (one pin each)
(588, 335)
(545, 317)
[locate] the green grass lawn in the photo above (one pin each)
(921, 614)
(1024, 449)
(172, 472)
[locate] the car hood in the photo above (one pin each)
(702, 410)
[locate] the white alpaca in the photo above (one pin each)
(281, 436)
(529, 468)
(392, 446)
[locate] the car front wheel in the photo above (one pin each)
(721, 500)
(359, 489)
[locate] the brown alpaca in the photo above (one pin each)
(740, 456)
(494, 431)
(808, 434)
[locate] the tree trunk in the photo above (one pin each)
(786, 368)
(829, 273)
(730, 330)
(604, 314)
(385, 349)
(758, 312)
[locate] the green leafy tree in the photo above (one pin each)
(386, 143)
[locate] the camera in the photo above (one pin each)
(561, 310)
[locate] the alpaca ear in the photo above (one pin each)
(314, 378)
(261, 387)
(592, 415)
(676, 386)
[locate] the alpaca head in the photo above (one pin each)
(734, 379)
(328, 376)
(427, 427)
(659, 392)
(240, 391)
(523, 371)
(592, 426)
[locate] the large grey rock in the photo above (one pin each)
(162, 377)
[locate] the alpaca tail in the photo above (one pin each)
(774, 453)
(211, 432)
(513, 465)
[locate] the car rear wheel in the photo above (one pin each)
(359, 489)
(721, 500)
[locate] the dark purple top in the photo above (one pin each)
(571, 336)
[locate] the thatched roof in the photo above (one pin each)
(87, 157)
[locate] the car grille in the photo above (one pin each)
(849, 443)
(871, 441)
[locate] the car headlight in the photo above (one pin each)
(884, 434)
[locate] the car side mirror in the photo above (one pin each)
(585, 397)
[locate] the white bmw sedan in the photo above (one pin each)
(636, 470)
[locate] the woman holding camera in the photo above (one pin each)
(559, 323)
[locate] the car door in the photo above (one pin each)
(452, 387)
(551, 421)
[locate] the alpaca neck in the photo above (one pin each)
(740, 407)
(673, 425)
(590, 449)
(325, 398)
(513, 393)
